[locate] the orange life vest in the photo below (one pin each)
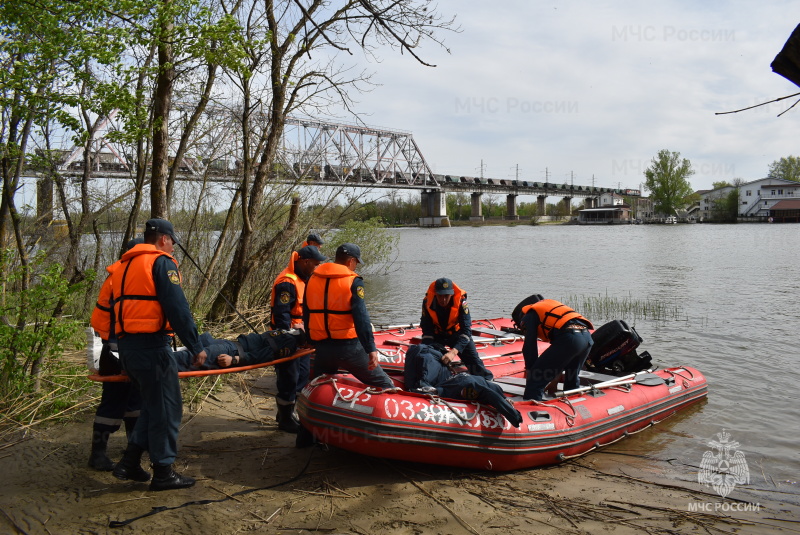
(288, 275)
(328, 299)
(552, 315)
(136, 307)
(103, 312)
(453, 325)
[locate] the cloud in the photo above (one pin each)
(594, 90)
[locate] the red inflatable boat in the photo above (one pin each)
(341, 411)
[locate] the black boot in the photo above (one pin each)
(165, 478)
(98, 459)
(287, 421)
(304, 438)
(130, 423)
(130, 467)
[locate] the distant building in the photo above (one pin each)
(612, 210)
(757, 200)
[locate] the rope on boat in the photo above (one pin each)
(392, 355)
(570, 418)
(487, 323)
(322, 379)
(686, 380)
(597, 445)
(437, 400)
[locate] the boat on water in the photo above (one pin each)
(340, 411)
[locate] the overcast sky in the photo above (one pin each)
(595, 89)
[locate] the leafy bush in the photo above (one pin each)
(33, 338)
(377, 243)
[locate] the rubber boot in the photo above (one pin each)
(98, 459)
(287, 420)
(304, 438)
(165, 478)
(130, 467)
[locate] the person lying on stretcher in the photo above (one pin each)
(248, 349)
(425, 372)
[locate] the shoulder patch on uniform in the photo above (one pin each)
(465, 307)
(360, 292)
(285, 298)
(173, 276)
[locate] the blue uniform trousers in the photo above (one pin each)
(118, 401)
(329, 356)
(475, 388)
(568, 350)
(154, 372)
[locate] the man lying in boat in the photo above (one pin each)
(426, 373)
(248, 349)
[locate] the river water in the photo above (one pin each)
(733, 290)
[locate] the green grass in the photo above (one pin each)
(600, 308)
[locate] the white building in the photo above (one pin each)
(756, 198)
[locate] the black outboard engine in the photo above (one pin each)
(614, 350)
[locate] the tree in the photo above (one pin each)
(787, 168)
(667, 181)
(293, 64)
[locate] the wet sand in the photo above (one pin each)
(252, 479)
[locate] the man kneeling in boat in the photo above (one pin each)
(446, 320)
(569, 338)
(426, 372)
(248, 349)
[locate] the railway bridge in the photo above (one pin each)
(319, 153)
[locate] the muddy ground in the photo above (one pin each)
(251, 479)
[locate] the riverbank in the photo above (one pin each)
(251, 478)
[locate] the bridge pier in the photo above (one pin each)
(477, 209)
(567, 201)
(541, 207)
(44, 201)
(433, 211)
(511, 206)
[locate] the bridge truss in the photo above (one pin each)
(325, 153)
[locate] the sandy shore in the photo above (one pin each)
(252, 479)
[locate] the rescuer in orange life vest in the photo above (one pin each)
(149, 307)
(287, 313)
(445, 320)
(337, 321)
(569, 338)
(119, 401)
(338, 325)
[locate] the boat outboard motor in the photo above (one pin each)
(614, 350)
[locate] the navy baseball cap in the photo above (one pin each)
(315, 238)
(350, 249)
(161, 226)
(311, 252)
(444, 286)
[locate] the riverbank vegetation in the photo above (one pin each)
(607, 308)
(110, 106)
